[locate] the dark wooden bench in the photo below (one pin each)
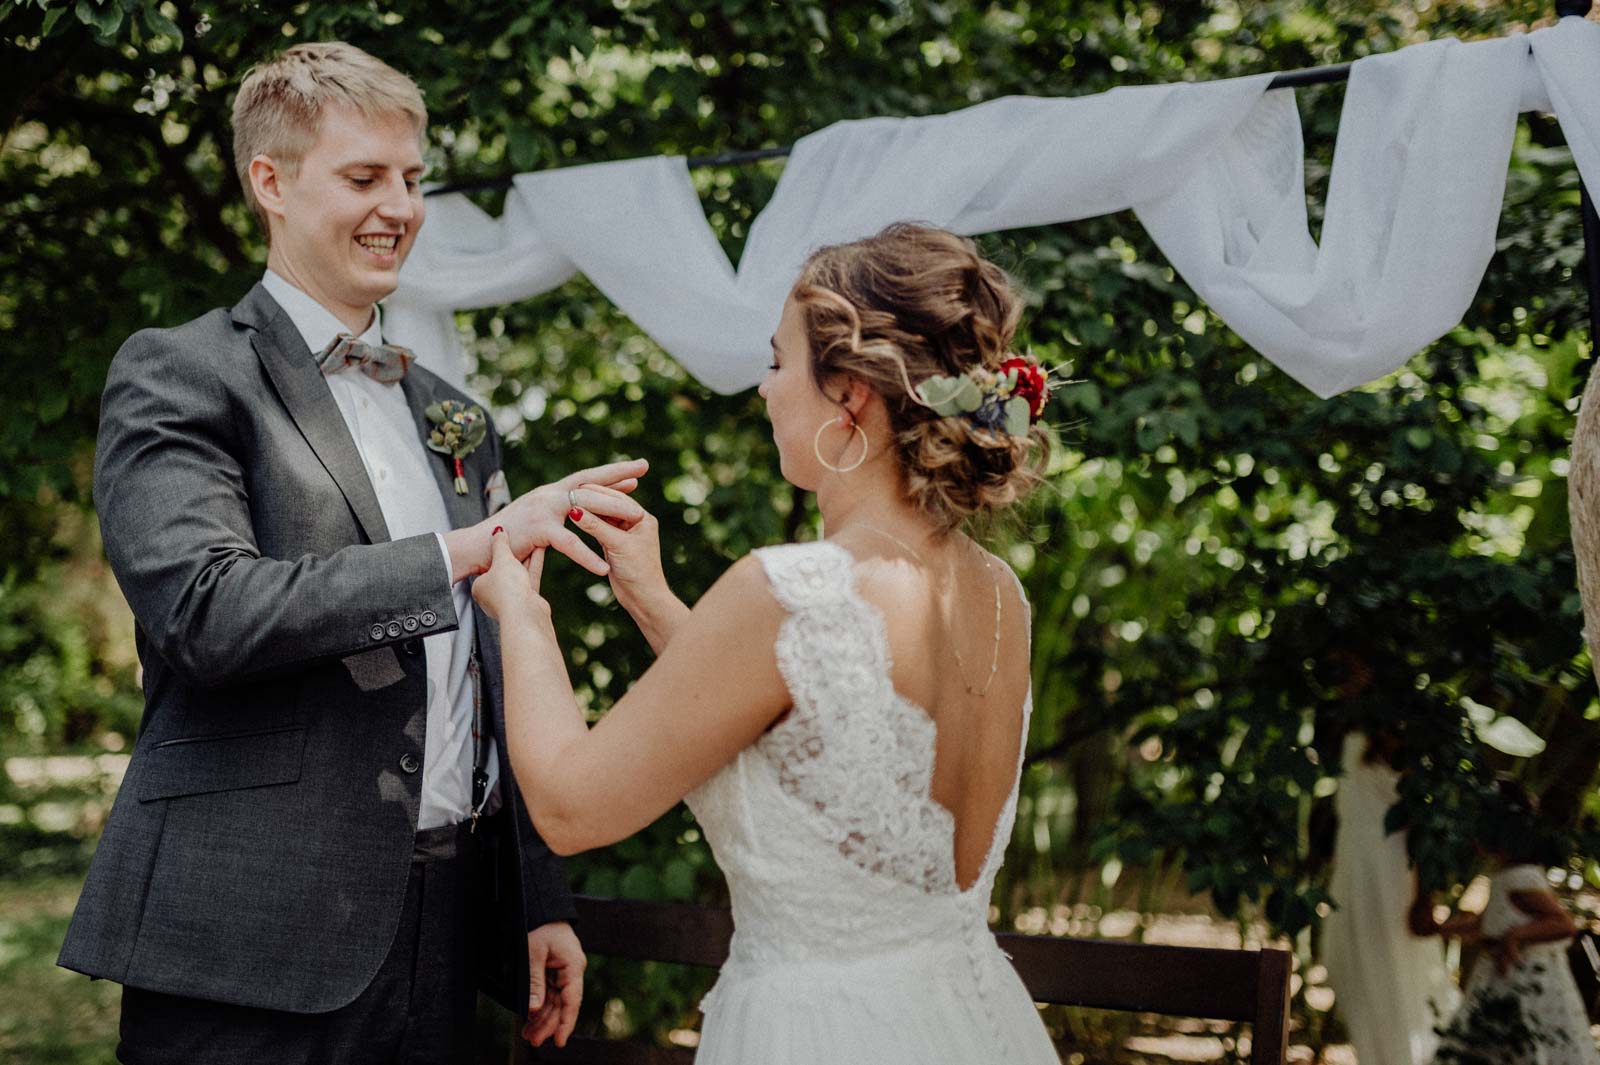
(1231, 985)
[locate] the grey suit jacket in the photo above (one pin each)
(258, 849)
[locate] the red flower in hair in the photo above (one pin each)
(1031, 383)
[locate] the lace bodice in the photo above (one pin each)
(826, 828)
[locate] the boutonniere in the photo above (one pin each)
(458, 430)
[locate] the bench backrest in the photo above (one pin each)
(1232, 985)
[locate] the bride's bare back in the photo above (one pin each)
(932, 613)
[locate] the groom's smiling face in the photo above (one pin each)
(344, 220)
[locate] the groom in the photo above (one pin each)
(318, 852)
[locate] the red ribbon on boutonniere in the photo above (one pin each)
(459, 429)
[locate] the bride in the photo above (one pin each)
(845, 717)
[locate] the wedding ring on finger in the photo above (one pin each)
(572, 504)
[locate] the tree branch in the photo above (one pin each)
(1067, 740)
(205, 207)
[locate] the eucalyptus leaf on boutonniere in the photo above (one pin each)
(458, 430)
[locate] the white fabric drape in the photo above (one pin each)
(1213, 170)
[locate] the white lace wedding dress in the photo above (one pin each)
(853, 941)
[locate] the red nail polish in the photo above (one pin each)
(498, 529)
(576, 514)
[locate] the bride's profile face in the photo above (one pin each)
(795, 405)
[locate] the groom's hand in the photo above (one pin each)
(555, 983)
(538, 519)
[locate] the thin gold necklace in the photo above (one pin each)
(961, 665)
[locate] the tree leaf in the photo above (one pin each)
(105, 18)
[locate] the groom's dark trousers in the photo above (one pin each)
(261, 864)
(418, 1009)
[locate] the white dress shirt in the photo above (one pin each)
(387, 438)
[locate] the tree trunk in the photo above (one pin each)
(1564, 798)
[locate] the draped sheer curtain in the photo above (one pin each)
(1214, 171)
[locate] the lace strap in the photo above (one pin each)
(856, 756)
(808, 576)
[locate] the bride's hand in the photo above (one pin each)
(509, 589)
(632, 548)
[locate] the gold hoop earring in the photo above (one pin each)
(816, 445)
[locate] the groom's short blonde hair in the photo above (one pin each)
(278, 111)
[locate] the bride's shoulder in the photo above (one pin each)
(800, 553)
(801, 575)
(742, 597)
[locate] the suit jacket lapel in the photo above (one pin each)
(466, 509)
(310, 403)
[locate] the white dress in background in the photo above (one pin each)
(1541, 981)
(852, 940)
(1393, 988)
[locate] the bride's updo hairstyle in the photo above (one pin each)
(908, 304)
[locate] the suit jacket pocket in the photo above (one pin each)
(195, 765)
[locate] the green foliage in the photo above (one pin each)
(48, 1014)
(53, 689)
(1227, 573)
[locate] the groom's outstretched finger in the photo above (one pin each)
(610, 473)
(535, 567)
(570, 544)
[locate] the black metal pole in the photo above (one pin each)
(1289, 79)
(1591, 221)
(1591, 262)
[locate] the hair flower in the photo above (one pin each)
(1009, 399)
(1029, 381)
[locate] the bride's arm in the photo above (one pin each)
(713, 691)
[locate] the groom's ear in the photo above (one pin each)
(266, 177)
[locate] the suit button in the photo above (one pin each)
(410, 623)
(376, 632)
(410, 763)
(393, 629)
(412, 647)
(429, 618)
